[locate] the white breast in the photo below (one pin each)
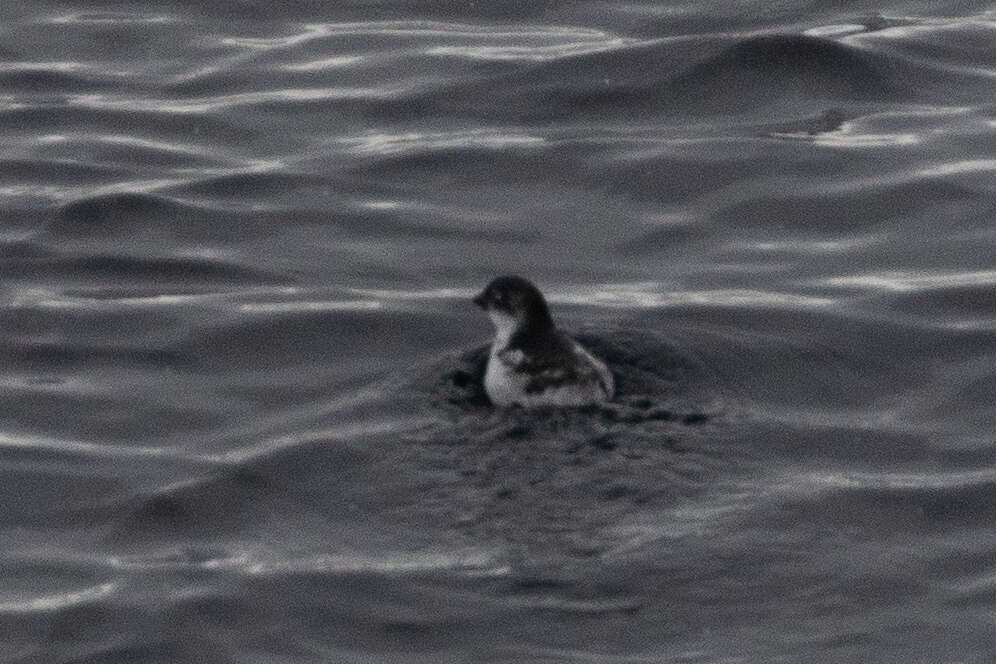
(506, 387)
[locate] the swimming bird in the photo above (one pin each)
(532, 363)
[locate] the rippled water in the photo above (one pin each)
(242, 419)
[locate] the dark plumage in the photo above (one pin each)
(531, 362)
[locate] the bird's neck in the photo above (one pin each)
(505, 327)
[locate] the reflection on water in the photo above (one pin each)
(905, 281)
(242, 414)
(60, 601)
(386, 144)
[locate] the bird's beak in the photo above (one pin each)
(480, 301)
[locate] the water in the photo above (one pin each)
(241, 419)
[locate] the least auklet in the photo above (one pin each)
(532, 363)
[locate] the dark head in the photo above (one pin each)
(515, 302)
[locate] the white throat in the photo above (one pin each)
(505, 327)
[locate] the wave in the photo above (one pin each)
(831, 212)
(142, 218)
(513, 475)
(648, 81)
(157, 274)
(921, 505)
(49, 172)
(318, 338)
(36, 79)
(46, 495)
(53, 118)
(764, 70)
(253, 185)
(207, 508)
(163, 271)
(12, 252)
(315, 481)
(120, 213)
(40, 356)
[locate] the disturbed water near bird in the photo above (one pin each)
(241, 413)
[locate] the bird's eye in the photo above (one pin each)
(497, 296)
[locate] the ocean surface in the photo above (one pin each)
(240, 407)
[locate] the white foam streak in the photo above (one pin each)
(222, 102)
(60, 601)
(902, 481)
(259, 561)
(418, 29)
(80, 447)
(960, 167)
(386, 144)
(917, 27)
(63, 194)
(835, 30)
(59, 66)
(269, 43)
(78, 141)
(349, 433)
(13, 103)
(867, 131)
(528, 53)
(152, 144)
(428, 294)
(908, 281)
(648, 297)
(479, 563)
(323, 64)
(443, 29)
(46, 299)
(312, 305)
(811, 246)
(846, 138)
(110, 18)
(69, 193)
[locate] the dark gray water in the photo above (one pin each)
(240, 418)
